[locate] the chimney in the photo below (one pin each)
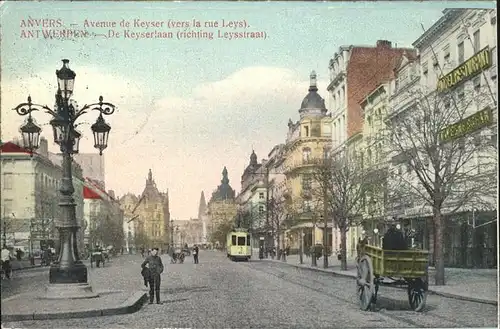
(384, 44)
(111, 193)
(44, 147)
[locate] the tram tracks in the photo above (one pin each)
(285, 275)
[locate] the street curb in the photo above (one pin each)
(131, 305)
(430, 291)
(469, 299)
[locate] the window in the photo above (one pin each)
(493, 140)
(7, 208)
(7, 181)
(306, 130)
(477, 83)
(307, 205)
(306, 182)
(261, 195)
(241, 241)
(425, 68)
(261, 209)
(477, 140)
(326, 153)
(306, 154)
(461, 52)
(461, 92)
(248, 239)
(233, 240)
(447, 104)
(477, 41)
(446, 53)
(435, 62)
(493, 68)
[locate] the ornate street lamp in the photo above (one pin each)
(30, 132)
(68, 276)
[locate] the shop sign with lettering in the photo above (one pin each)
(466, 126)
(471, 67)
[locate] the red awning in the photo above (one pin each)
(88, 193)
(10, 147)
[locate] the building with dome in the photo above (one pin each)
(221, 207)
(309, 140)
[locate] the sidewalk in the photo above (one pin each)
(119, 290)
(24, 264)
(477, 285)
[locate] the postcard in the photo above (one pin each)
(199, 164)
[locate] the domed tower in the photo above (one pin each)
(313, 104)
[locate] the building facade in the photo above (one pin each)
(191, 232)
(30, 197)
(203, 217)
(252, 200)
(104, 217)
(456, 68)
(152, 224)
(222, 207)
(278, 200)
(308, 141)
(355, 72)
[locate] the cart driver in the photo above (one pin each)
(394, 239)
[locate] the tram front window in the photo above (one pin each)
(241, 241)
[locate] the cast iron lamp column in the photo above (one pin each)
(68, 276)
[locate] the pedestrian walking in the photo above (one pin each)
(155, 265)
(196, 252)
(6, 258)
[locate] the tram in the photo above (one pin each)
(238, 245)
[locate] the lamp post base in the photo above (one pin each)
(74, 273)
(70, 291)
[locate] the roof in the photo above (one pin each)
(10, 147)
(435, 29)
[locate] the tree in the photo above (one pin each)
(141, 240)
(450, 167)
(113, 235)
(340, 185)
(220, 232)
(307, 208)
(280, 218)
(6, 228)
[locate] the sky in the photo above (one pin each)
(188, 107)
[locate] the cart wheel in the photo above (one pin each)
(365, 283)
(417, 295)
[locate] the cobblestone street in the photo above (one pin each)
(218, 293)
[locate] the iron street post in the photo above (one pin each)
(172, 233)
(68, 276)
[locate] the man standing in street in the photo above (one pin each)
(6, 267)
(196, 251)
(155, 265)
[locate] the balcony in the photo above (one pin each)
(304, 163)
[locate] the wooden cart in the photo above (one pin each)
(403, 267)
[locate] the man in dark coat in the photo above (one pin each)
(394, 239)
(155, 266)
(196, 251)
